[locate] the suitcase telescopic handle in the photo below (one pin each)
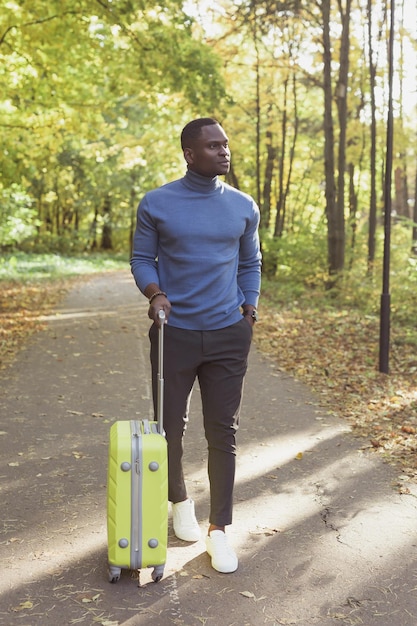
(160, 399)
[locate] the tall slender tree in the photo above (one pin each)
(335, 225)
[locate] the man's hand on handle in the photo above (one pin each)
(158, 300)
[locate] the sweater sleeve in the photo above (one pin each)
(250, 258)
(143, 263)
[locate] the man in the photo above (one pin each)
(196, 256)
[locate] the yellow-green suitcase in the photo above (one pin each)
(137, 492)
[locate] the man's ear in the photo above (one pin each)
(188, 155)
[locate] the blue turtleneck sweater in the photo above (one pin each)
(197, 238)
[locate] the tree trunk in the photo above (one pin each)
(353, 211)
(93, 231)
(414, 235)
(232, 178)
(106, 236)
(335, 239)
(401, 208)
(280, 215)
(257, 104)
(271, 153)
(133, 203)
(341, 100)
(293, 144)
(372, 198)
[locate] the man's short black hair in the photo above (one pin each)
(193, 130)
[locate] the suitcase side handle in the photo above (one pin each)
(160, 399)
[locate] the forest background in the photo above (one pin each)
(94, 94)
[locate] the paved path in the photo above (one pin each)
(322, 535)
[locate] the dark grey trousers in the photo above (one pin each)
(218, 360)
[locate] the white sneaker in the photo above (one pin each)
(185, 524)
(223, 558)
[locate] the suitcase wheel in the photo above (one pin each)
(114, 574)
(157, 573)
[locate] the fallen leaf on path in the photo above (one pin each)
(403, 490)
(264, 530)
(247, 594)
(23, 606)
(87, 599)
(408, 429)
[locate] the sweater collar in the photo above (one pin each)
(203, 184)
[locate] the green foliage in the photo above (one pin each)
(298, 257)
(93, 96)
(301, 280)
(17, 217)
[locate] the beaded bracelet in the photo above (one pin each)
(157, 293)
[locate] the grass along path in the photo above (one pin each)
(31, 286)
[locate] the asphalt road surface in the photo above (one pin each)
(322, 533)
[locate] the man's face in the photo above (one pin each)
(209, 155)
